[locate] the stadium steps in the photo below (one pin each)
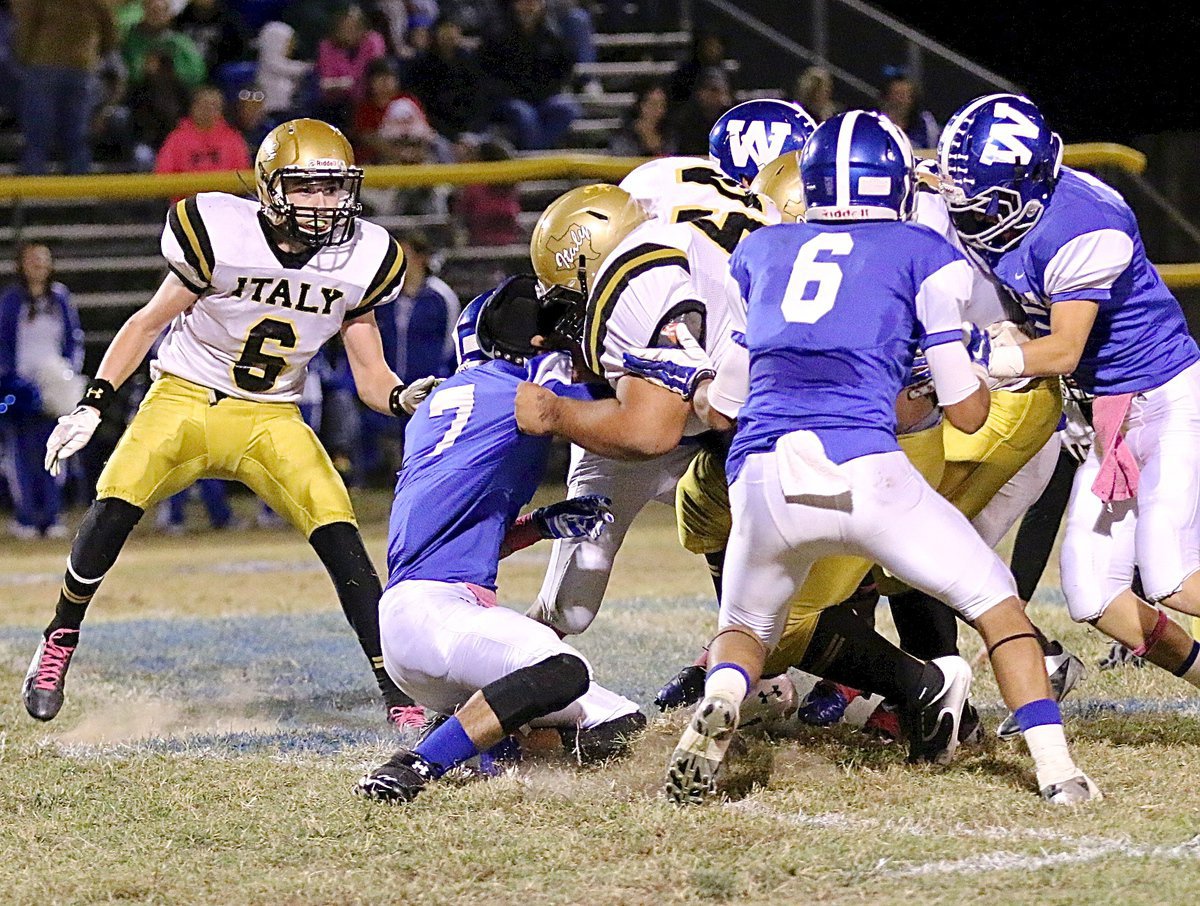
(108, 251)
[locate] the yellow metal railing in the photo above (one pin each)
(566, 166)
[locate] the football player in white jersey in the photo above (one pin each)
(694, 212)
(255, 288)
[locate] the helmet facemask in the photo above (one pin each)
(314, 225)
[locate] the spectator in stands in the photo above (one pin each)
(156, 104)
(250, 117)
(489, 211)
(58, 45)
(217, 30)
(530, 64)
(575, 23)
(342, 61)
(712, 97)
(279, 75)
(40, 344)
(418, 340)
(644, 132)
(111, 126)
(203, 141)
(449, 82)
(708, 51)
(156, 32)
(814, 92)
(383, 87)
(405, 137)
(899, 100)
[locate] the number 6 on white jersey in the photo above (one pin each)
(826, 274)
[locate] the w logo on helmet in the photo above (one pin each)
(1004, 140)
(751, 141)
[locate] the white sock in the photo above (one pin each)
(727, 681)
(1048, 746)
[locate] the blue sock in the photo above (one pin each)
(447, 746)
(1038, 713)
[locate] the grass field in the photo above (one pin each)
(219, 711)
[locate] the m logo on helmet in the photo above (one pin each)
(1004, 144)
(566, 256)
(750, 141)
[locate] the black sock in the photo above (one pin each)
(847, 650)
(341, 549)
(927, 627)
(716, 566)
(95, 549)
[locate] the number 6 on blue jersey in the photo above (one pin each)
(826, 274)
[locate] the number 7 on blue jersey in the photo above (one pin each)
(459, 400)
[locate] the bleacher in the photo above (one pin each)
(107, 251)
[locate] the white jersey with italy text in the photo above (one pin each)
(262, 313)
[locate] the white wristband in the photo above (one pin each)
(1006, 362)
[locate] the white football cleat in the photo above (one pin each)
(1075, 791)
(773, 698)
(933, 730)
(692, 770)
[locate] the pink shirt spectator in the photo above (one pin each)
(489, 213)
(190, 149)
(342, 73)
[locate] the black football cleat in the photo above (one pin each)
(42, 690)
(400, 779)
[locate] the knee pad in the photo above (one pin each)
(607, 740)
(533, 692)
(101, 536)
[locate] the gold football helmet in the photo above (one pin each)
(573, 237)
(780, 181)
(313, 161)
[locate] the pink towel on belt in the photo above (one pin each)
(1118, 478)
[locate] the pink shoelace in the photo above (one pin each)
(53, 664)
(406, 716)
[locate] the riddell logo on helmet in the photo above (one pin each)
(575, 237)
(859, 213)
(326, 163)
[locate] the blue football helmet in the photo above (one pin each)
(466, 332)
(1000, 162)
(754, 133)
(858, 166)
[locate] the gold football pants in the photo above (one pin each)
(183, 432)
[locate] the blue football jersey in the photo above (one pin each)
(1087, 246)
(467, 471)
(834, 316)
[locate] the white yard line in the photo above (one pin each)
(1077, 849)
(1006, 861)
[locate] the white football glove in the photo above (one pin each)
(1076, 434)
(412, 395)
(69, 436)
(680, 369)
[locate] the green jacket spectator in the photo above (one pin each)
(154, 32)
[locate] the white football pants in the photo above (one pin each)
(442, 644)
(579, 567)
(1159, 530)
(891, 516)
